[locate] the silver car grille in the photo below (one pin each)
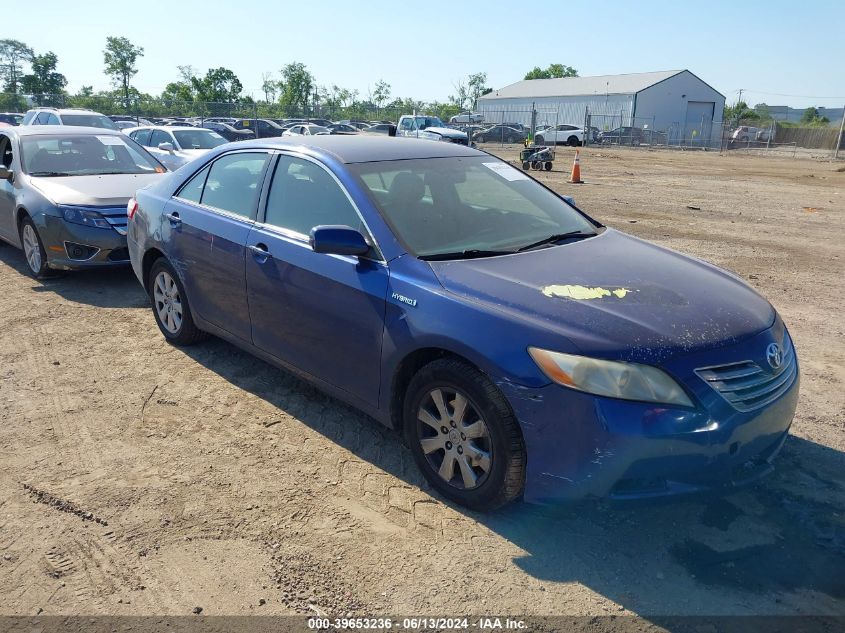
(746, 385)
(116, 217)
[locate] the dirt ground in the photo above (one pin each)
(137, 478)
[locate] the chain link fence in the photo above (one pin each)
(504, 127)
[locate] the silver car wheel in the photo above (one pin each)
(454, 438)
(168, 303)
(31, 248)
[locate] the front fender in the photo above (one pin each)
(421, 314)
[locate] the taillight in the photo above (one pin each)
(131, 208)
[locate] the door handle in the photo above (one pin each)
(260, 252)
(174, 218)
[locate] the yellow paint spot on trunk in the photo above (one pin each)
(581, 293)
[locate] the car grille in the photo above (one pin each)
(116, 216)
(747, 386)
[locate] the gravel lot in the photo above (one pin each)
(138, 478)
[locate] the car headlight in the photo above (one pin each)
(614, 379)
(86, 217)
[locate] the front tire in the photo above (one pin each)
(170, 306)
(33, 249)
(541, 140)
(464, 436)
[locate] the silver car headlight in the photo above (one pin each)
(614, 379)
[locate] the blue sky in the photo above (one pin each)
(422, 48)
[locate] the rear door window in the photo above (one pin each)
(234, 183)
(158, 137)
(143, 137)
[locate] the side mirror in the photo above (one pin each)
(338, 240)
(166, 147)
(6, 174)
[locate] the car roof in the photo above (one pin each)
(65, 110)
(63, 130)
(365, 148)
(165, 128)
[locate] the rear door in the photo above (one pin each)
(207, 224)
(324, 314)
(8, 191)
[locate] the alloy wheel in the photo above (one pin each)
(31, 248)
(168, 303)
(454, 438)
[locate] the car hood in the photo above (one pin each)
(445, 131)
(615, 296)
(96, 191)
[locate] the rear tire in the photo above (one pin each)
(171, 309)
(33, 249)
(476, 455)
(573, 141)
(526, 165)
(509, 139)
(481, 139)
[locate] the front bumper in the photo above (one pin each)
(103, 247)
(581, 446)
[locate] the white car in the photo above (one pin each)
(467, 117)
(175, 146)
(564, 134)
(306, 129)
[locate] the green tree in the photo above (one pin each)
(554, 71)
(44, 81)
(381, 94)
(476, 87)
(269, 87)
(119, 57)
(13, 54)
(178, 92)
(812, 117)
(220, 85)
(740, 112)
(461, 96)
(296, 86)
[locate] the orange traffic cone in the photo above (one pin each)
(575, 178)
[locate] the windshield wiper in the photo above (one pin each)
(468, 254)
(556, 238)
(48, 174)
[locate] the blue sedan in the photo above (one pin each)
(523, 348)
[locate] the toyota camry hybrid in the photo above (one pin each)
(523, 348)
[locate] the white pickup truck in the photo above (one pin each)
(429, 127)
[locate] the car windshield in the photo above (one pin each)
(198, 139)
(439, 206)
(89, 120)
(46, 155)
(424, 122)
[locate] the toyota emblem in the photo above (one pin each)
(774, 354)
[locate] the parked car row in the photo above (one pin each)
(521, 347)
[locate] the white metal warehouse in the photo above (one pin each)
(674, 102)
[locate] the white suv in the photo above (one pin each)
(560, 134)
(68, 116)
